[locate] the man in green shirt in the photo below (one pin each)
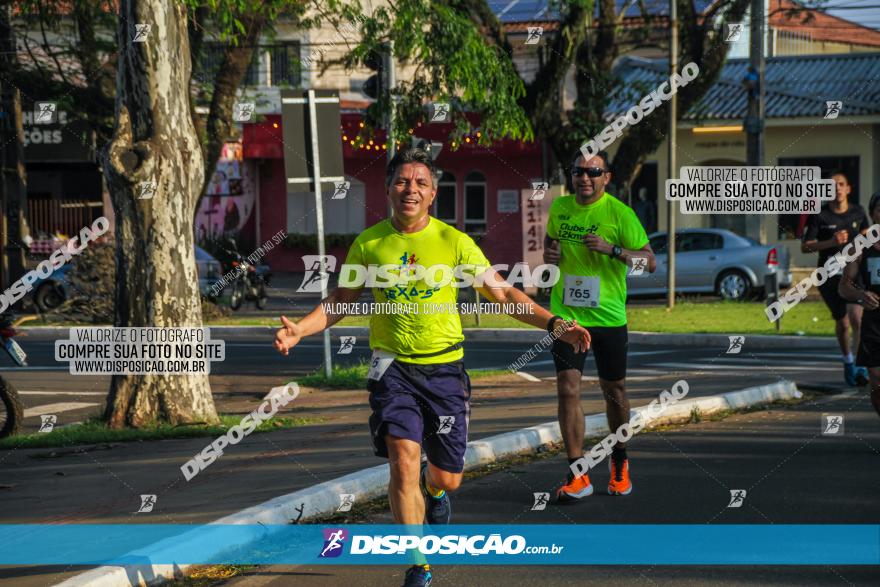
(419, 389)
(594, 238)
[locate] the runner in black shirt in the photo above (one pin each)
(828, 232)
(867, 270)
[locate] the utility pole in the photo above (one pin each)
(671, 144)
(391, 81)
(754, 84)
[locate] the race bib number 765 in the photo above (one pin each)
(581, 291)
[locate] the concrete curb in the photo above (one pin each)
(366, 484)
(533, 336)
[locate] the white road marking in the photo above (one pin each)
(56, 408)
(828, 356)
(732, 367)
(527, 376)
(749, 360)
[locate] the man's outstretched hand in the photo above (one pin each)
(574, 334)
(288, 337)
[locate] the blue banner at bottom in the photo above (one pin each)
(141, 544)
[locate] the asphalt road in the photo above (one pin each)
(252, 367)
(791, 473)
(103, 482)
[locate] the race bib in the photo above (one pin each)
(379, 363)
(874, 270)
(581, 291)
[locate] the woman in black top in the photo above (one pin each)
(865, 271)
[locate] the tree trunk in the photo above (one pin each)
(13, 178)
(710, 54)
(236, 59)
(155, 141)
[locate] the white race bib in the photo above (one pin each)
(379, 363)
(581, 291)
(874, 270)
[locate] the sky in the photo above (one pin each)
(864, 12)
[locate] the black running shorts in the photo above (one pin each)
(609, 345)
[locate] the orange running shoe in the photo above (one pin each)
(619, 483)
(574, 489)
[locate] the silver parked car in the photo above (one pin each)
(209, 269)
(713, 260)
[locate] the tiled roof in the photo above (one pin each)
(795, 86)
(820, 26)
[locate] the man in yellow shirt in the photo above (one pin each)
(419, 389)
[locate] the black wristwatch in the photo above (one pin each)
(616, 251)
(552, 323)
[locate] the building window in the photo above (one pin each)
(792, 226)
(444, 203)
(280, 68)
(286, 67)
(475, 203)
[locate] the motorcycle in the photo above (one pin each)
(11, 412)
(251, 284)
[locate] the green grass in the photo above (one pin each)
(809, 318)
(342, 377)
(96, 431)
(355, 376)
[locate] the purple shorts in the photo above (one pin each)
(427, 404)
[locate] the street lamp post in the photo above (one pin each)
(671, 174)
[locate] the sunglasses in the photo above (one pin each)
(590, 171)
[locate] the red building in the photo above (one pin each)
(480, 192)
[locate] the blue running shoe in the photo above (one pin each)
(418, 576)
(849, 373)
(438, 510)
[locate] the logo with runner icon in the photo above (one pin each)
(333, 542)
(47, 422)
(832, 424)
(148, 501)
(737, 498)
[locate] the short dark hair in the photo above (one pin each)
(601, 154)
(411, 156)
(840, 172)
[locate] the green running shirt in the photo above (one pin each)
(421, 332)
(574, 295)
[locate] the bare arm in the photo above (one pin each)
(628, 255)
(315, 321)
(600, 245)
(839, 239)
(526, 310)
(848, 290)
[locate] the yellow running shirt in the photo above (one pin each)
(433, 324)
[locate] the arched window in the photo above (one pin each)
(445, 202)
(475, 203)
